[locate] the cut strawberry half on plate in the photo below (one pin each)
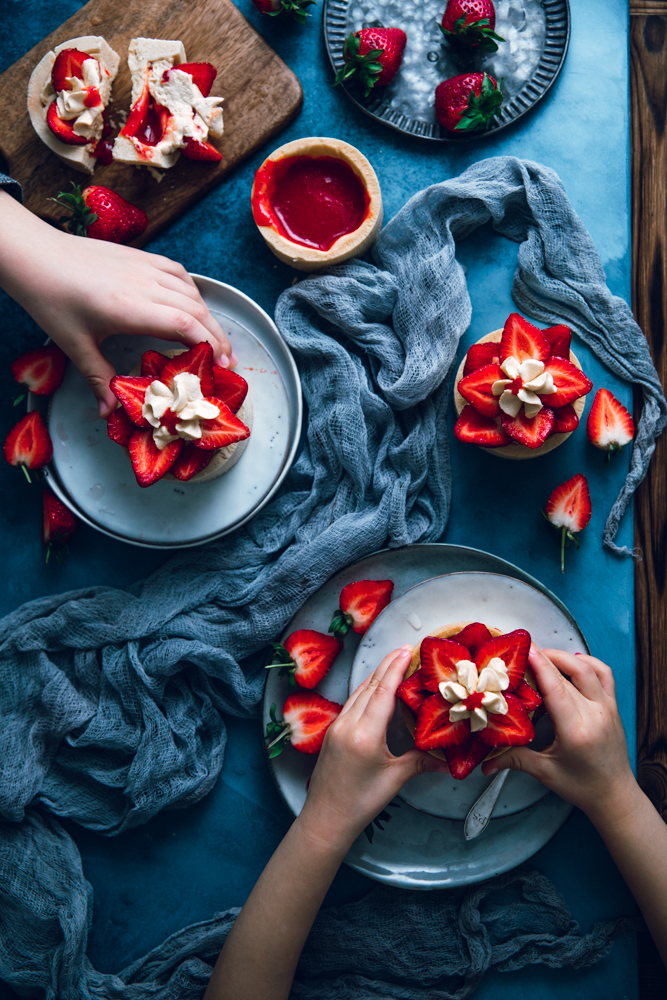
(512, 730)
(131, 391)
(68, 63)
(120, 428)
(480, 355)
(199, 361)
(223, 430)
(565, 420)
(569, 511)
(58, 526)
(359, 605)
(570, 382)
(473, 428)
(63, 129)
(191, 461)
(610, 426)
(560, 338)
(306, 718)
(463, 759)
(196, 149)
(528, 696)
(522, 340)
(472, 637)
(28, 444)
(231, 388)
(438, 660)
(305, 657)
(203, 74)
(152, 363)
(529, 431)
(41, 370)
(412, 691)
(434, 730)
(148, 461)
(477, 389)
(512, 648)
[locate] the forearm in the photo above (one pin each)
(24, 238)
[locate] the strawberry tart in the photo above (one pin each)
(68, 94)
(469, 693)
(520, 391)
(181, 416)
(171, 111)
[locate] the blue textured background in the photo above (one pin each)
(185, 865)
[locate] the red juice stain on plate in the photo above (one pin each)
(310, 200)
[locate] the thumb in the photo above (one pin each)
(97, 372)
(518, 759)
(416, 762)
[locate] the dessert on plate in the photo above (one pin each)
(171, 111)
(469, 693)
(182, 417)
(68, 94)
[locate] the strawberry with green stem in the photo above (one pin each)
(306, 719)
(569, 511)
(29, 444)
(100, 213)
(373, 57)
(359, 605)
(468, 102)
(305, 657)
(41, 370)
(296, 9)
(471, 23)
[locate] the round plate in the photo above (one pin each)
(536, 34)
(416, 849)
(93, 475)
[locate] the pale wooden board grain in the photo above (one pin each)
(261, 96)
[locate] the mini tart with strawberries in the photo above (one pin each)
(520, 391)
(317, 202)
(182, 416)
(68, 94)
(469, 694)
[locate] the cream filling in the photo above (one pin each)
(536, 383)
(191, 114)
(70, 104)
(186, 399)
(491, 682)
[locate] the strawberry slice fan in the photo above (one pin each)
(470, 695)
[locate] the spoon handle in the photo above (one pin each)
(479, 814)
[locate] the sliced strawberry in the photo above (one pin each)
(41, 369)
(131, 391)
(522, 340)
(570, 382)
(28, 443)
(413, 692)
(138, 114)
(203, 74)
(223, 430)
(477, 389)
(438, 660)
(512, 730)
(148, 461)
(191, 461)
(195, 149)
(463, 759)
(359, 605)
(68, 63)
(528, 696)
(58, 526)
(512, 648)
(529, 431)
(610, 426)
(307, 716)
(434, 729)
(199, 361)
(152, 363)
(473, 428)
(231, 388)
(560, 338)
(305, 657)
(472, 637)
(62, 129)
(480, 355)
(565, 420)
(120, 428)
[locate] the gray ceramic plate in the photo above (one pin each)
(93, 475)
(419, 849)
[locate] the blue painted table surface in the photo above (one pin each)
(185, 865)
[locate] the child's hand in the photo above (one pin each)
(587, 763)
(356, 775)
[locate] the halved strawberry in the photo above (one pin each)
(199, 361)
(58, 526)
(473, 428)
(480, 355)
(529, 431)
(528, 696)
(203, 74)
(512, 730)
(306, 718)
(610, 426)
(359, 605)
(231, 388)
(68, 63)
(560, 338)
(438, 660)
(569, 510)
(413, 692)
(522, 340)
(222, 430)
(434, 729)
(477, 389)
(512, 648)
(463, 759)
(41, 370)
(472, 637)
(152, 363)
(119, 427)
(191, 461)
(131, 391)
(63, 129)
(148, 461)
(28, 443)
(570, 382)
(305, 657)
(138, 114)
(197, 149)
(565, 420)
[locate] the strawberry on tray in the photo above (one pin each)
(306, 718)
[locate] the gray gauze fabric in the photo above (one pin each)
(112, 702)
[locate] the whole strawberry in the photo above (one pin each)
(58, 526)
(471, 23)
(468, 102)
(101, 213)
(373, 56)
(288, 8)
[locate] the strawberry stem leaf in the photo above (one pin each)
(340, 624)
(483, 109)
(365, 69)
(475, 35)
(82, 216)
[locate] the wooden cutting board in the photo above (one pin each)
(261, 96)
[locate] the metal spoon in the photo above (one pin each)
(479, 813)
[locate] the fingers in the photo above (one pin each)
(416, 762)
(380, 669)
(555, 690)
(580, 672)
(189, 321)
(382, 684)
(519, 759)
(97, 372)
(604, 673)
